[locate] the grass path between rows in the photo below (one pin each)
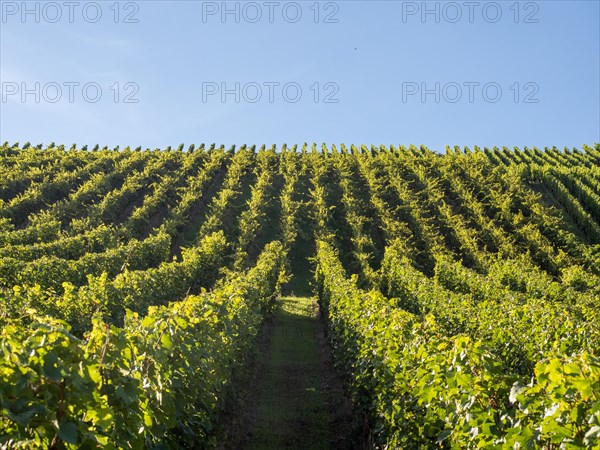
(299, 405)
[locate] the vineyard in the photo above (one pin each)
(460, 292)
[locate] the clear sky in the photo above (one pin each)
(153, 73)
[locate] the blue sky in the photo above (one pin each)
(504, 73)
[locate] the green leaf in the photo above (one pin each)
(51, 367)
(147, 419)
(68, 432)
(443, 436)
(94, 374)
(166, 341)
